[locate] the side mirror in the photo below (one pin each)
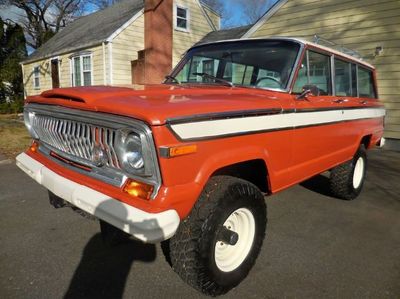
(308, 89)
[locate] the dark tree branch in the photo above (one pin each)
(44, 18)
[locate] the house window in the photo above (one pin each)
(181, 18)
(82, 70)
(36, 77)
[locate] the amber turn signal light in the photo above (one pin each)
(138, 189)
(34, 147)
(175, 151)
(182, 150)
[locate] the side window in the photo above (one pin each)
(342, 78)
(318, 74)
(198, 65)
(209, 68)
(353, 80)
(248, 74)
(82, 70)
(36, 77)
(365, 83)
(234, 72)
(268, 79)
(181, 18)
(302, 78)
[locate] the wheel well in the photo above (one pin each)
(254, 171)
(366, 141)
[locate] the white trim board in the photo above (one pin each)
(207, 16)
(110, 64)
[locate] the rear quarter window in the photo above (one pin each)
(366, 87)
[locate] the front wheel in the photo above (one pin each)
(347, 179)
(217, 244)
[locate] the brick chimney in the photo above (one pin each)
(156, 61)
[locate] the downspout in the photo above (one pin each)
(23, 79)
(110, 63)
(104, 64)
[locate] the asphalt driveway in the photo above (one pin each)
(316, 247)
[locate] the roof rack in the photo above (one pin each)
(324, 42)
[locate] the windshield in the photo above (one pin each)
(256, 63)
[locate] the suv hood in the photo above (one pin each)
(155, 104)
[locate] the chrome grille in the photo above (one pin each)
(76, 138)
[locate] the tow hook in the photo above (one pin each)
(57, 202)
(228, 236)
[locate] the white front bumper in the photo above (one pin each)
(144, 226)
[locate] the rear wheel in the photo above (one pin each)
(347, 179)
(217, 244)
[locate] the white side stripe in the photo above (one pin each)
(213, 128)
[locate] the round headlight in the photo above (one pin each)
(132, 155)
(28, 118)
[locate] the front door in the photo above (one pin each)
(55, 79)
(318, 138)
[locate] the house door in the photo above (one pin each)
(55, 79)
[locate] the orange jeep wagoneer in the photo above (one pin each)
(190, 160)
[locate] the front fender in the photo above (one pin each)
(228, 157)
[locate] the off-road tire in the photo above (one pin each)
(341, 177)
(192, 249)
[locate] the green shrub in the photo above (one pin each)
(15, 106)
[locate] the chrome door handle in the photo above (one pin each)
(364, 102)
(339, 101)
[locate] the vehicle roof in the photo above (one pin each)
(298, 40)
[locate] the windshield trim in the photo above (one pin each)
(292, 73)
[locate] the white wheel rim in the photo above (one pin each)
(358, 173)
(229, 257)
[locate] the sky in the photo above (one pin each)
(10, 12)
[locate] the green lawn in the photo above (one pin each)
(14, 137)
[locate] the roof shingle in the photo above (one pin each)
(226, 34)
(89, 30)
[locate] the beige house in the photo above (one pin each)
(119, 45)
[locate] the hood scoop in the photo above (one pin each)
(62, 96)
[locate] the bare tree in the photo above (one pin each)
(41, 19)
(101, 4)
(254, 9)
(217, 5)
(249, 10)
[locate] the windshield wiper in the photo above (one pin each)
(173, 79)
(205, 75)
